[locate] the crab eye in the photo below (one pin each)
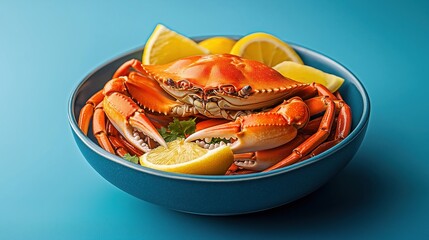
(170, 82)
(228, 89)
(185, 84)
(245, 90)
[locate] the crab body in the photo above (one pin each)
(265, 109)
(221, 86)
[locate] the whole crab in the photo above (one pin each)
(270, 121)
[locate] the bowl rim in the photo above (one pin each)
(363, 121)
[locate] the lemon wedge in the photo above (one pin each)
(218, 45)
(165, 45)
(265, 48)
(188, 158)
(307, 74)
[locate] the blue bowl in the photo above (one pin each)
(223, 195)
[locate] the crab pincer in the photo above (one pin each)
(260, 131)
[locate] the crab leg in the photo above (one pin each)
(87, 111)
(120, 149)
(312, 126)
(343, 127)
(235, 170)
(260, 160)
(312, 142)
(344, 119)
(150, 95)
(121, 145)
(99, 129)
(148, 92)
(125, 68)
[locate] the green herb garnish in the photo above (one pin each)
(178, 129)
(218, 140)
(131, 158)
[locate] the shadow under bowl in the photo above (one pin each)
(223, 195)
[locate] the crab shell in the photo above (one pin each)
(223, 85)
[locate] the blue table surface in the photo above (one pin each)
(49, 191)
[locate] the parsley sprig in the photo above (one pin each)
(131, 158)
(178, 129)
(218, 140)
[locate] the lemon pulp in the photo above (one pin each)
(165, 45)
(308, 74)
(189, 158)
(265, 48)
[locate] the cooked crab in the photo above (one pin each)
(265, 111)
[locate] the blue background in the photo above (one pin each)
(48, 190)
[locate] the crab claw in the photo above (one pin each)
(130, 121)
(260, 131)
(251, 133)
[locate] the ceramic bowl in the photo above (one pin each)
(223, 195)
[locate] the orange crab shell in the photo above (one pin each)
(220, 71)
(223, 82)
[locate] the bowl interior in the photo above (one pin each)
(352, 91)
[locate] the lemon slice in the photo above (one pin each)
(265, 48)
(165, 45)
(307, 74)
(189, 158)
(218, 45)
